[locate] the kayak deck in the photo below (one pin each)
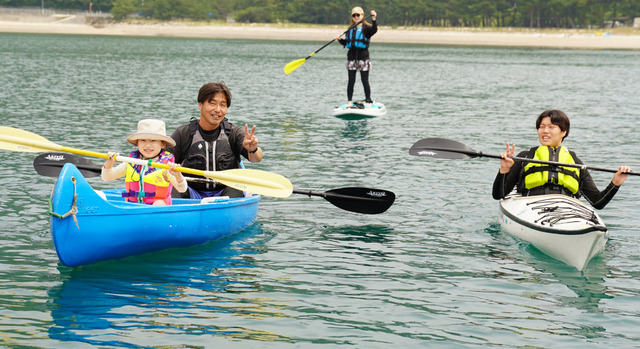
(560, 226)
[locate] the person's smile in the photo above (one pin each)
(148, 151)
(550, 134)
(213, 111)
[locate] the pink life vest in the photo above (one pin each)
(151, 185)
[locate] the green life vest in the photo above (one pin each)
(537, 175)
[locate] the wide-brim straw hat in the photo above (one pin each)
(357, 9)
(151, 129)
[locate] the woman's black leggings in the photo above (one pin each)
(364, 76)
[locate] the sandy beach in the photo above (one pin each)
(627, 39)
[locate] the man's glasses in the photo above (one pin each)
(355, 15)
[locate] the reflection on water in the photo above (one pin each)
(94, 303)
(588, 287)
(363, 233)
(355, 129)
(434, 270)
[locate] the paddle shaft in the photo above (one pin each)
(207, 180)
(346, 31)
(252, 181)
(427, 151)
(93, 168)
(28, 143)
(293, 65)
(334, 195)
(371, 201)
(544, 162)
(98, 169)
(130, 160)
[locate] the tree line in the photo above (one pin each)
(435, 13)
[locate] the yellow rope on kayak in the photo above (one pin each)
(72, 211)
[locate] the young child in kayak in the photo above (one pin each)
(539, 179)
(146, 184)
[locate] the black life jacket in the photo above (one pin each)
(216, 155)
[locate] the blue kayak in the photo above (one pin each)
(103, 226)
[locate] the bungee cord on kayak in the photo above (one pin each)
(554, 210)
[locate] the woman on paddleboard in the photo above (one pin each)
(357, 40)
(539, 179)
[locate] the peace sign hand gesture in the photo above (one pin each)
(250, 143)
(507, 162)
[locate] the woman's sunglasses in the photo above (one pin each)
(356, 15)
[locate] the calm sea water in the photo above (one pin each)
(433, 271)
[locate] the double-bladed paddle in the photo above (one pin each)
(50, 164)
(354, 199)
(252, 181)
(447, 149)
(293, 65)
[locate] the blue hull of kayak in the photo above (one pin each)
(108, 228)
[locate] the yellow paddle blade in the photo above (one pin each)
(15, 139)
(252, 181)
(293, 65)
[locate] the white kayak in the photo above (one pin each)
(359, 110)
(560, 226)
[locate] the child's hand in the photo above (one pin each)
(172, 171)
(111, 159)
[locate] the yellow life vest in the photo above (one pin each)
(152, 187)
(536, 175)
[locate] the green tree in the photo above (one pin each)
(122, 8)
(472, 13)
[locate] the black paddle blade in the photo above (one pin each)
(442, 148)
(361, 200)
(50, 164)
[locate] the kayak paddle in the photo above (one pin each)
(360, 200)
(447, 149)
(293, 65)
(252, 181)
(50, 164)
(354, 199)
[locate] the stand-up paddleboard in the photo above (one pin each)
(359, 110)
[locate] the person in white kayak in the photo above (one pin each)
(539, 179)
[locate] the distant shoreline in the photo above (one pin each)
(508, 37)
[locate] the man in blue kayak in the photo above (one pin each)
(212, 143)
(539, 179)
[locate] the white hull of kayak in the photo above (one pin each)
(359, 111)
(560, 226)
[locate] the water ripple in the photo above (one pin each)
(434, 270)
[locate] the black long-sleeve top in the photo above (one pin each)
(504, 183)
